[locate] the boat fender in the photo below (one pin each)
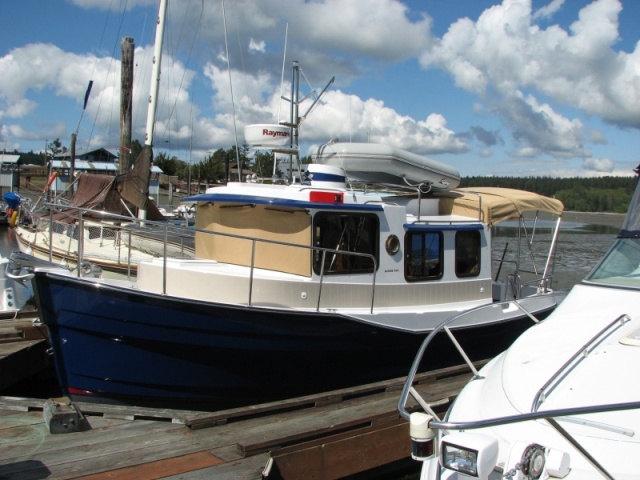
(14, 219)
(51, 179)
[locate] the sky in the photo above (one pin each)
(494, 88)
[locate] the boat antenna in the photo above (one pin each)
(284, 60)
(233, 105)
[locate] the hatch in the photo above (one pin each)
(632, 339)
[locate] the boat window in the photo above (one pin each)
(348, 232)
(423, 257)
(468, 253)
(621, 265)
(70, 231)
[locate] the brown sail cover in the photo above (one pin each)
(134, 185)
(106, 193)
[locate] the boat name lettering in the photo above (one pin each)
(274, 133)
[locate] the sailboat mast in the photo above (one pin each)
(295, 80)
(155, 77)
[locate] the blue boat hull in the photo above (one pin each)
(120, 345)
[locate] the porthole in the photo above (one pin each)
(392, 245)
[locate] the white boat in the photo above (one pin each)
(302, 286)
(563, 401)
(94, 222)
(385, 164)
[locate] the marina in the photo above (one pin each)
(314, 277)
(300, 438)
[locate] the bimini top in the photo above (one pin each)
(493, 205)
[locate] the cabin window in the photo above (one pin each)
(423, 257)
(345, 235)
(468, 253)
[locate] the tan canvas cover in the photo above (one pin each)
(259, 221)
(493, 205)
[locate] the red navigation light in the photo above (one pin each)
(326, 197)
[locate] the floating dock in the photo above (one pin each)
(324, 436)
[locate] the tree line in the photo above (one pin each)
(598, 194)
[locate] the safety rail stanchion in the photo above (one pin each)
(80, 244)
(164, 262)
(253, 259)
(373, 283)
(324, 256)
(129, 257)
(461, 351)
(50, 234)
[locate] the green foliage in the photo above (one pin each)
(263, 164)
(602, 194)
(31, 158)
(56, 147)
(170, 166)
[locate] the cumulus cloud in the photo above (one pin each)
(100, 4)
(339, 115)
(548, 10)
(257, 46)
(509, 61)
(598, 164)
(44, 67)
(538, 79)
(46, 131)
(485, 136)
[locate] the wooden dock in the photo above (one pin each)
(324, 436)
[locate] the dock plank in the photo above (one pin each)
(159, 468)
(360, 424)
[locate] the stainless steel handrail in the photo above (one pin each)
(407, 388)
(78, 212)
(576, 359)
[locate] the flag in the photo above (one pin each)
(86, 95)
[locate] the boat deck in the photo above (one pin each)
(329, 435)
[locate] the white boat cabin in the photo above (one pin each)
(317, 247)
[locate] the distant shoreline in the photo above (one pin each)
(596, 218)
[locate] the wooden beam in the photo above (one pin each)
(343, 455)
(159, 469)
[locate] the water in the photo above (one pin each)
(580, 247)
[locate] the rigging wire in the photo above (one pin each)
(138, 92)
(233, 105)
(111, 62)
(95, 63)
(184, 72)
